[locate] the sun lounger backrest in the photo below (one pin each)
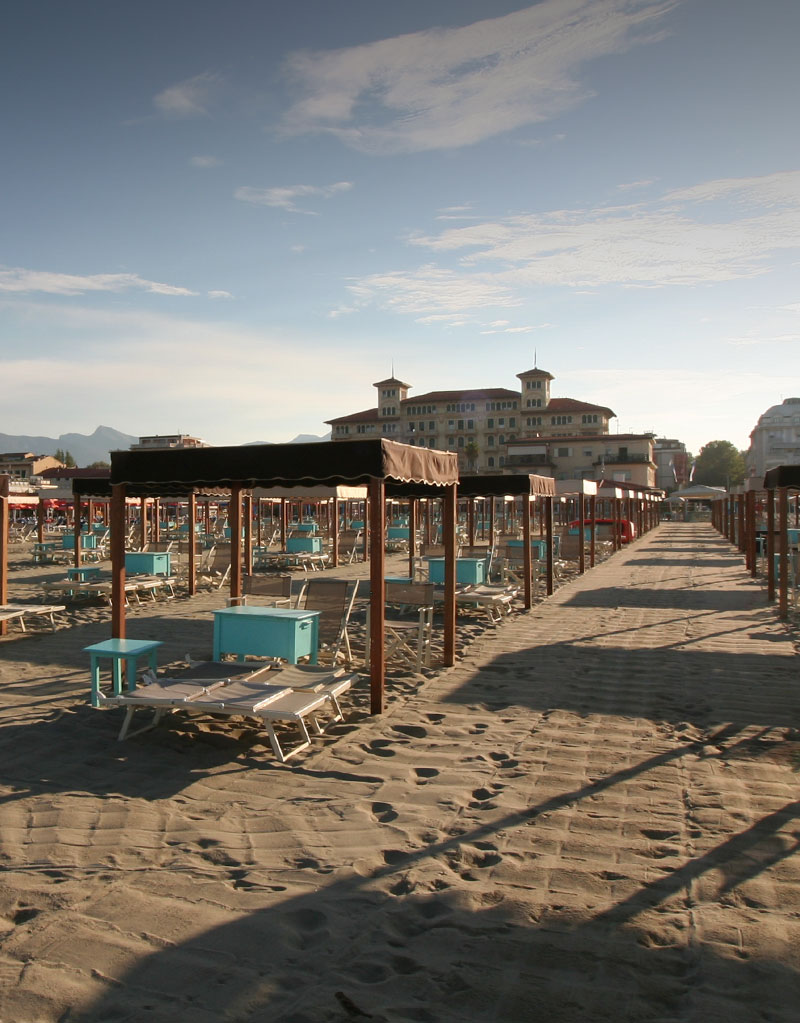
(416, 594)
(267, 585)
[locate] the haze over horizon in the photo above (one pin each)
(230, 220)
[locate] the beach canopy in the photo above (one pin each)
(698, 492)
(176, 471)
(181, 472)
(782, 476)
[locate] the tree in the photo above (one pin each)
(99, 465)
(471, 451)
(719, 464)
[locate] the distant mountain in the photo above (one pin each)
(84, 449)
(301, 438)
(309, 438)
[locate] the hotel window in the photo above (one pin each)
(490, 424)
(490, 440)
(490, 462)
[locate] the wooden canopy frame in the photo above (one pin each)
(374, 463)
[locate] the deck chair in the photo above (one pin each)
(234, 698)
(351, 546)
(408, 632)
(19, 612)
(334, 599)
(276, 590)
(218, 568)
(495, 601)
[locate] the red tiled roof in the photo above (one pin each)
(473, 394)
(369, 415)
(573, 405)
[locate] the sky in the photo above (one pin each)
(231, 219)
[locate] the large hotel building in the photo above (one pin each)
(496, 430)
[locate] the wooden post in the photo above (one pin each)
(449, 537)
(40, 521)
(5, 525)
(783, 546)
(333, 529)
(412, 535)
(769, 546)
(235, 523)
(76, 529)
(377, 600)
(751, 531)
(283, 523)
(581, 534)
(592, 529)
(192, 544)
(548, 516)
(248, 533)
(471, 521)
(117, 546)
(527, 560)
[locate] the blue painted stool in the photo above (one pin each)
(119, 650)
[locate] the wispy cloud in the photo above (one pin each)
(284, 197)
(444, 88)
(205, 161)
(190, 98)
(21, 280)
(431, 292)
(709, 233)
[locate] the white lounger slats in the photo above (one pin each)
(296, 694)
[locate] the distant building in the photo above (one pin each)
(159, 442)
(22, 465)
(672, 464)
(775, 439)
(614, 457)
(483, 425)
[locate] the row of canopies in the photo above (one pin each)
(384, 468)
(757, 517)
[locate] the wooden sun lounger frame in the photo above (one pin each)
(18, 612)
(298, 695)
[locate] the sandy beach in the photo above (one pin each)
(592, 816)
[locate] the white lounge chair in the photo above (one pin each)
(19, 612)
(268, 695)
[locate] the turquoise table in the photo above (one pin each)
(88, 542)
(266, 632)
(304, 545)
(84, 572)
(119, 650)
(539, 547)
(148, 562)
(304, 527)
(44, 551)
(397, 533)
(469, 571)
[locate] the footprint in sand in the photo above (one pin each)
(378, 747)
(24, 914)
(220, 858)
(384, 813)
(413, 731)
(435, 718)
(424, 774)
(391, 857)
(478, 728)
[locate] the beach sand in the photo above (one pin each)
(592, 816)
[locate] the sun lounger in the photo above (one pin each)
(21, 611)
(496, 601)
(294, 695)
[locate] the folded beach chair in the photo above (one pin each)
(249, 697)
(496, 601)
(20, 611)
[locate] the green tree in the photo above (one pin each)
(69, 461)
(59, 454)
(99, 465)
(471, 452)
(719, 464)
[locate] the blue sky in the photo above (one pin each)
(231, 219)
